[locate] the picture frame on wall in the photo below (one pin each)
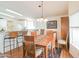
(52, 24)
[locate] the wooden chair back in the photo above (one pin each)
(34, 33)
(53, 36)
(54, 39)
(42, 32)
(24, 33)
(13, 34)
(49, 33)
(30, 45)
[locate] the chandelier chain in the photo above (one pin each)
(42, 9)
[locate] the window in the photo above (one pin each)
(29, 25)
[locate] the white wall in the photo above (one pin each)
(58, 18)
(74, 28)
(3, 24)
(73, 7)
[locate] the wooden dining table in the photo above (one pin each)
(42, 41)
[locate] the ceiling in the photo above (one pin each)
(31, 9)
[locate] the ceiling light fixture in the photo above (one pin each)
(42, 16)
(11, 11)
(6, 14)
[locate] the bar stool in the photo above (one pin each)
(11, 38)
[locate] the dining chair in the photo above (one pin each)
(30, 48)
(49, 34)
(13, 34)
(42, 31)
(24, 33)
(54, 42)
(53, 36)
(34, 33)
(63, 43)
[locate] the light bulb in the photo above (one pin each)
(45, 19)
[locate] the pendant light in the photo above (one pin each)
(42, 9)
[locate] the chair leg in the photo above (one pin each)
(17, 45)
(13, 45)
(4, 46)
(43, 53)
(10, 46)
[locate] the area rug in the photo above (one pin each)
(55, 54)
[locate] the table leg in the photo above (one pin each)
(24, 51)
(46, 52)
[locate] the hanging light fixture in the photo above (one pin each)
(42, 16)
